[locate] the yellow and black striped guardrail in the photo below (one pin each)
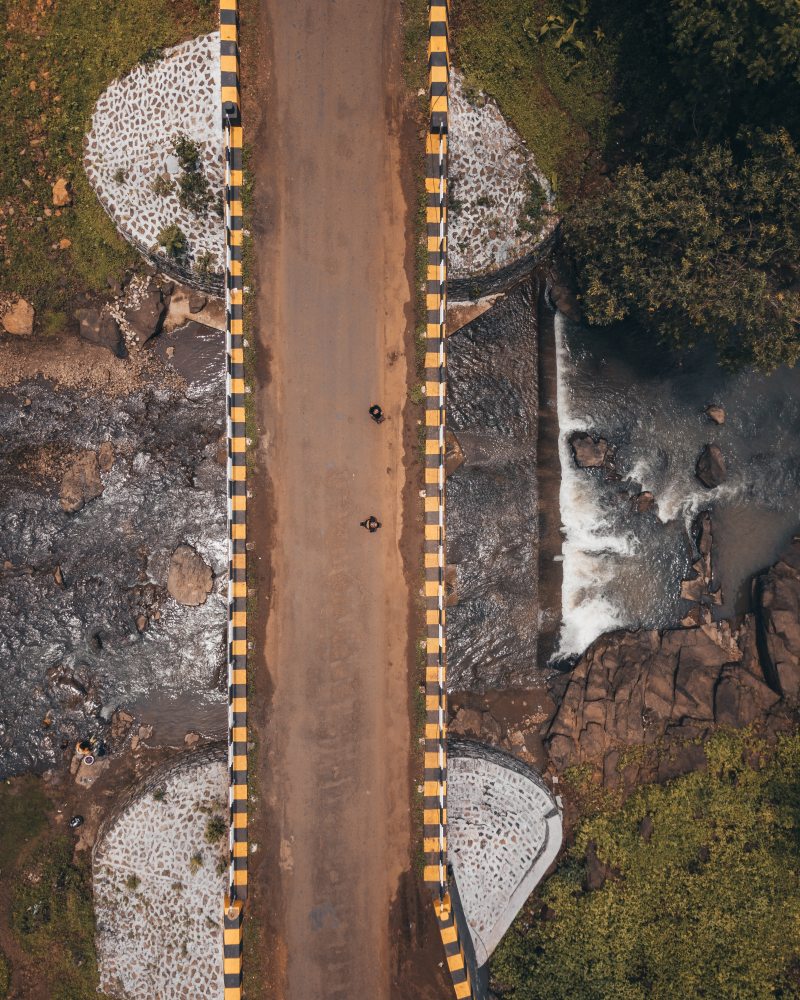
(435, 786)
(237, 501)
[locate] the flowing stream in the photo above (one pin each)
(621, 568)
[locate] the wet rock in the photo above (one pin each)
(121, 722)
(62, 193)
(715, 413)
(665, 691)
(597, 872)
(58, 576)
(99, 327)
(710, 468)
(644, 502)
(18, 319)
(693, 590)
(191, 738)
(81, 482)
(197, 302)
(105, 456)
(189, 580)
(563, 297)
(147, 317)
(590, 452)
(467, 721)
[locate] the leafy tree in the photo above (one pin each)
(707, 906)
(173, 240)
(710, 249)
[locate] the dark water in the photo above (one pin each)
(492, 510)
(624, 569)
(73, 653)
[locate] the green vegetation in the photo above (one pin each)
(216, 828)
(194, 189)
(5, 975)
(554, 92)
(133, 882)
(51, 915)
(196, 862)
(670, 133)
(707, 905)
(173, 240)
(56, 61)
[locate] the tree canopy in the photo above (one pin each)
(697, 232)
(707, 905)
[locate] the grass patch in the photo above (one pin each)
(558, 103)
(57, 60)
(52, 914)
(704, 904)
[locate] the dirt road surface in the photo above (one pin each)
(331, 224)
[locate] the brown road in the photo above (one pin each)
(331, 224)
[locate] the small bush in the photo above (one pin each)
(5, 975)
(188, 153)
(416, 395)
(152, 55)
(133, 882)
(204, 264)
(120, 175)
(162, 186)
(195, 863)
(194, 192)
(174, 241)
(160, 794)
(216, 828)
(222, 866)
(531, 215)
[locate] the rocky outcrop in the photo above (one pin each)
(18, 318)
(710, 468)
(81, 482)
(715, 413)
(190, 580)
(146, 317)
(698, 587)
(664, 692)
(62, 193)
(99, 327)
(592, 452)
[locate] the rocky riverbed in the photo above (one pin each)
(112, 534)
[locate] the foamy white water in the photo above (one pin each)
(591, 548)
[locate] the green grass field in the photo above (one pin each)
(57, 60)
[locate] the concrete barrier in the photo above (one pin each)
(435, 780)
(237, 500)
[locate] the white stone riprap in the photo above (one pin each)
(492, 173)
(504, 831)
(135, 123)
(159, 913)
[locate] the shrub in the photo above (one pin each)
(174, 241)
(162, 186)
(195, 862)
(216, 828)
(133, 882)
(187, 151)
(120, 175)
(159, 794)
(194, 192)
(5, 975)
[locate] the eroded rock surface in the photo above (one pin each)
(81, 482)
(711, 469)
(665, 691)
(190, 580)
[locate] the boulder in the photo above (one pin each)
(467, 721)
(99, 327)
(710, 468)
(189, 579)
(715, 413)
(590, 452)
(62, 193)
(19, 319)
(147, 317)
(81, 482)
(197, 302)
(643, 502)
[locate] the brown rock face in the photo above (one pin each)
(715, 413)
(664, 691)
(710, 468)
(147, 318)
(19, 319)
(81, 482)
(101, 328)
(189, 580)
(62, 193)
(644, 502)
(590, 452)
